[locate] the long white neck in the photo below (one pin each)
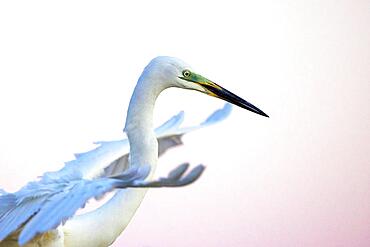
(102, 226)
(139, 123)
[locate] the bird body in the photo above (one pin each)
(42, 212)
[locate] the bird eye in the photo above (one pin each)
(186, 73)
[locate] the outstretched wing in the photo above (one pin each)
(42, 205)
(51, 202)
(112, 156)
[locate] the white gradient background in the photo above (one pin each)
(299, 178)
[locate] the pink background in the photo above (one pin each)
(300, 178)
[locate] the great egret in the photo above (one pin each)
(33, 216)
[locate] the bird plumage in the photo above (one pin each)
(37, 211)
(46, 203)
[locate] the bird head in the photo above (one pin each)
(176, 73)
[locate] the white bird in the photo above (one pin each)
(42, 213)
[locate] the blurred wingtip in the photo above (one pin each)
(219, 114)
